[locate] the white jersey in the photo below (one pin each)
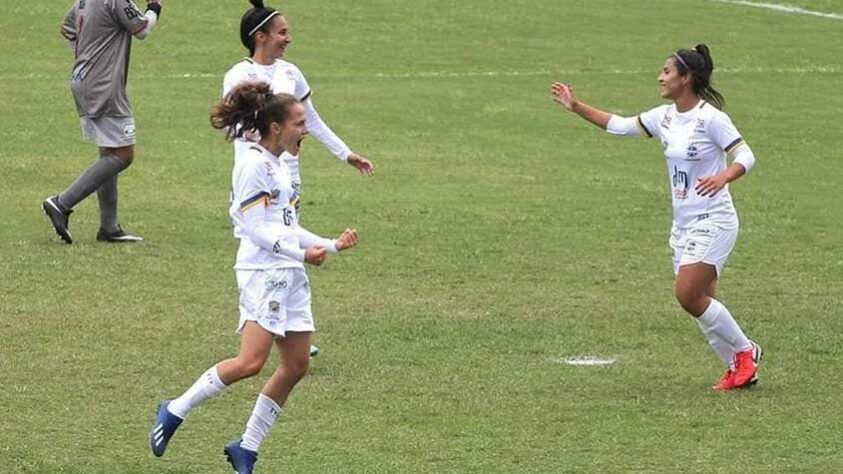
(695, 144)
(284, 78)
(261, 178)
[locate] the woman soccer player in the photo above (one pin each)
(274, 289)
(696, 136)
(265, 33)
(100, 33)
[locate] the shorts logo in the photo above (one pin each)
(274, 306)
(129, 130)
(273, 284)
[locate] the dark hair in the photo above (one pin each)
(250, 106)
(257, 15)
(698, 62)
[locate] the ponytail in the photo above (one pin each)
(700, 65)
(248, 107)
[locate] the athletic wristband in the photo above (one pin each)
(155, 7)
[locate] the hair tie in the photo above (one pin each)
(262, 23)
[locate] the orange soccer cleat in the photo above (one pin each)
(745, 373)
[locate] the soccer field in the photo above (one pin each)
(499, 235)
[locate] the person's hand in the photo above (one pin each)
(362, 165)
(563, 94)
(711, 185)
(315, 255)
(347, 240)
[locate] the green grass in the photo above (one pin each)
(499, 235)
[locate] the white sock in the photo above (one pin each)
(717, 320)
(259, 424)
(723, 350)
(208, 385)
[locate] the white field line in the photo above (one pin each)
(783, 8)
(469, 74)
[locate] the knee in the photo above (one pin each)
(125, 154)
(250, 366)
(127, 158)
(691, 300)
(297, 369)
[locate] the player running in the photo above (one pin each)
(275, 300)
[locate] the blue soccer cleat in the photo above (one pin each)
(163, 430)
(241, 459)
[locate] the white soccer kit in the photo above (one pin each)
(274, 290)
(284, 77)
(695, 145)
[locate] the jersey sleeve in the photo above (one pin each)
(723, 132)
(129, 15)
(648, 122)
(302, 91)
(252, 186)
(68, 26)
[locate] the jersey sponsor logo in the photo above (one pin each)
(680, 183)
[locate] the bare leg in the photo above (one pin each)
(295, 360)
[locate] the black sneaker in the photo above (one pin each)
(117, 236)
(58, 216)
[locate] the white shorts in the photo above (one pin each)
(109, 132)
(278, 300)
(704, 242)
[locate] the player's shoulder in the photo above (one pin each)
(659, 110)
(712, 114)
(251, 158)
(288, 67)
(242, 68)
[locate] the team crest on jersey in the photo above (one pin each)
(692, 152)
(290, 75)
(666, 121)
(700, 126)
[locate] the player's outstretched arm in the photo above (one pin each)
(563, 94)
(361, 164)
(323, 133)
